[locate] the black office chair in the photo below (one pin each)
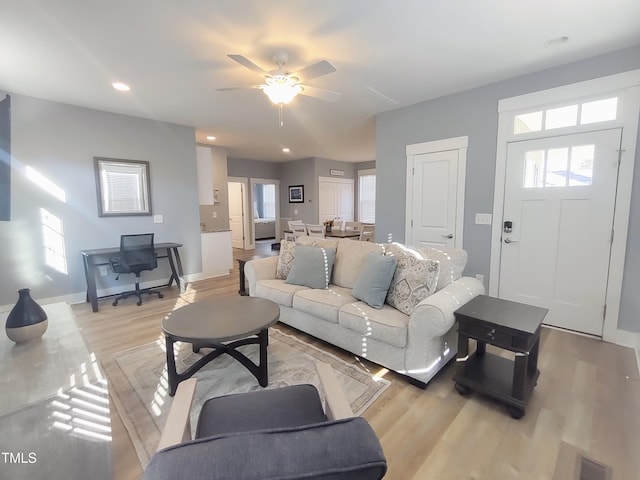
(137, 254)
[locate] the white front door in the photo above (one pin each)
(236, 217)
(560, 199)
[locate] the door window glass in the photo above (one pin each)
(559, 167)
(581, 172)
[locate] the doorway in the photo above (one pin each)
(606, 111)
(237, 208)
(559, 204)
(435, 193)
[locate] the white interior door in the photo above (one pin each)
(435, 195)
(236, 214)
(560, 198)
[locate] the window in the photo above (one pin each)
(585, 113)
(123, 187)
(559, 167)
(367, 196)
(269, 201)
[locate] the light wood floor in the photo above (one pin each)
(587, 400)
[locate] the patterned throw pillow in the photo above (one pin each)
(414, 280)
(285, 259)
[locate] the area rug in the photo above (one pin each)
(138, 381)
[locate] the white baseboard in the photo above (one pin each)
(80, 297)
(630, 339)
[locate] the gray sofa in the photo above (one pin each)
(416, 344)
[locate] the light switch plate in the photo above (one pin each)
(483, 218)
(158, 219)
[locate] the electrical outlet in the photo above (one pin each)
(214, 214)
(158, 219)
(102, 269)
(295, 211)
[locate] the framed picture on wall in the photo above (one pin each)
(296, 194)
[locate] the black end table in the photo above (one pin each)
(509, 325)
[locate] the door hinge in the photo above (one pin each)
(604, 312)
(612, 231)
(411, 223)
(413, 171)
(620, 152)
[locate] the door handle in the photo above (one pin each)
(508, 240)
(448, 236)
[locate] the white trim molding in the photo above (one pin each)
(455, 143)
(627, 87)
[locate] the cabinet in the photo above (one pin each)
(212, 166)
(217, 253)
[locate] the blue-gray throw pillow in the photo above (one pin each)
(312, 266)
(374, 280)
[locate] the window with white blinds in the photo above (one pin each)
(367, 196)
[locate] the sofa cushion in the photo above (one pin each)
(277, 291)
(374, 279)
(350, 259)
(322, 303)
(312, 266)
(388, 325)
(452, 262)
(414, 280)
(285, 259)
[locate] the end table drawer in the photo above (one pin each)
(490, 335)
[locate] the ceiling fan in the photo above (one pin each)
(281, 86)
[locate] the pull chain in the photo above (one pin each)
(280, 115)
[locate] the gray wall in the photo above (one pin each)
(474, 113)
(299, 172)
(59, 141)
(240, 167)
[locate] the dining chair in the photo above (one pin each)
(297, 229)
(337, 225)
(315, 230)
(367, 233)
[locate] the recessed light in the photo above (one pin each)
(286, 150)
(556, 42)
(122, 87)
(211, 137)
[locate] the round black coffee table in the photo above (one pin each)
(223, 324)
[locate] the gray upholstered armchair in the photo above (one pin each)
(268, 434)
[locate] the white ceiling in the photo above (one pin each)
(388, 54)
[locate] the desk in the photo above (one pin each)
(100, 256)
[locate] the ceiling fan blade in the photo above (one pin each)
(313, 71)
(245, 62)
(321, 93)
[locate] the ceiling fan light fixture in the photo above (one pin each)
(281, 89)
